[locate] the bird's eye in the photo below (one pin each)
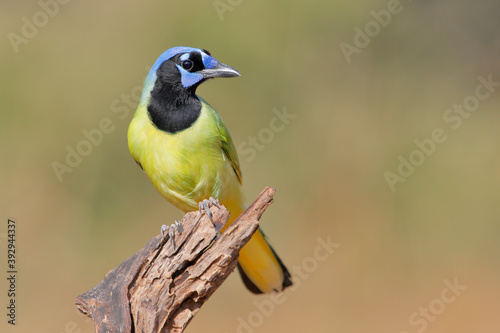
(187, 64)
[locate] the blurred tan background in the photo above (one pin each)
(420, 255)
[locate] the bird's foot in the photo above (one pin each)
(170, 230)
(205, 205)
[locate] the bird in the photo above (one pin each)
(185, 149)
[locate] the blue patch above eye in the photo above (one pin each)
(189, 79)
(185, 56)
(208, 61)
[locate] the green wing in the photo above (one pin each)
(226, 141)
(228, 147)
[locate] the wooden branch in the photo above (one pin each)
(163, 285)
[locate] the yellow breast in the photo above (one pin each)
(185, 167)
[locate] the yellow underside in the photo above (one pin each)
(190, 166)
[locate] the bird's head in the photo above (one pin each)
(182, 69)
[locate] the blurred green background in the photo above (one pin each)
(354, 121)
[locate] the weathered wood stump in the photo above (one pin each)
(163, 285)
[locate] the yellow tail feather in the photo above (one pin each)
(261, 269)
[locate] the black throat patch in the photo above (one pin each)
(172, 107)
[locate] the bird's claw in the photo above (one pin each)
(179, 226)
(171, 230)
(205, 205)
(164, 229)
